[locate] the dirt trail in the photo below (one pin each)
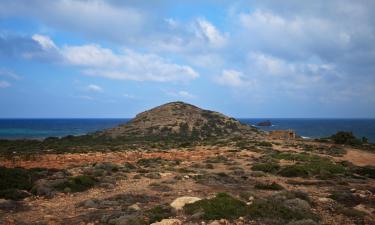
(359, 158)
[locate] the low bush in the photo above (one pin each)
(345, 137)
(14, 180)
(266, 167)
(158, 213)
(223, 206)
(77, 184)
(269, 186)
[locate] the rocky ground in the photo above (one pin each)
(241, 182)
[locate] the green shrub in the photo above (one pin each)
(368, 171)
(274, 209)
(13, 194)
(296, 170)
(323, 168)
(266, 167)
(159, 212)
(263, 144)
(345, 137)
(77, 183)
(12, 180)
(269, 186)
(223, 206)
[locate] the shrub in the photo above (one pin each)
(266, 167)
(296, 170)
(12, 180)
(77, 183)
(266, 186)
(264, 144)
(345, 137)
(159, 212)
(323, 168)
(368, 171)
(346, 198)
(223, 206)
(273, 209)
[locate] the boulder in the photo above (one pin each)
(168, 222)
(180, 202)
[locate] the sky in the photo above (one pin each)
(247, 59)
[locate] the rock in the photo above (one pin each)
(220, 222)
(8, 204)
(59, 175)
(90, 204)
(180, 202)
(297, 204)
(325, 200)
(168, 222)
(107, 185)
(264, 124)
(106, 166)
(45, 187)
(134, 207)
(127, 220)
(109, 203)
(364, 208)
(153, 175)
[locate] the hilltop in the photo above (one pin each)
(179, 119)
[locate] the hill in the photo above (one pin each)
(179, 119)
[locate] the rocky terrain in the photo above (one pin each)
(237, 175)
(179, 119)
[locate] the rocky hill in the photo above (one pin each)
(179, 119)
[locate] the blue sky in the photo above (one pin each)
(107, 59)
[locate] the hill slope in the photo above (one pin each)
(179, 119)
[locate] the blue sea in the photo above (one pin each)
(312, 128)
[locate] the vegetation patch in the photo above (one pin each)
(269, 186)
(282, 208)
(269, 167)
(15, 181)
(347, 137)
(77, 184)
(159, 212)
(223, 206)
(367, 171)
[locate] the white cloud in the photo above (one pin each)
(90, 55)
(94, 88)
(207, 31)
(96, 18)
(4, 84)
(123, 65)
(185, 94)
(44, 41)
(8, 73)
(233, 78)
(129, 96)
(130, 65)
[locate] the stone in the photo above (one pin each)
(153, 175)
(180, 202)
(7, 204)
(134, 207)
(168, 222)
(325, 200)
(90, 204)
(297, 204)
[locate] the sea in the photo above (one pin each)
(307, 128)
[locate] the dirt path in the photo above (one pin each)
(359, 158)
